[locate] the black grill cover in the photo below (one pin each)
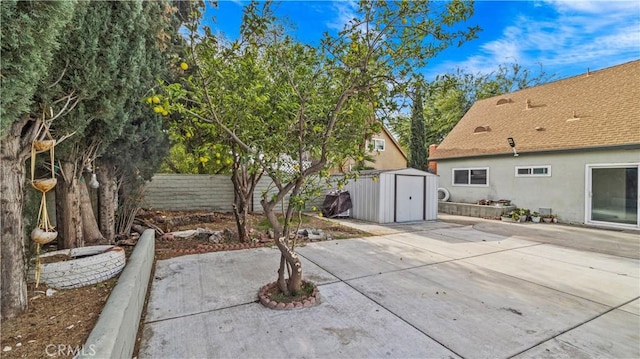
(336, 203)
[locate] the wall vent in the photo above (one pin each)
(482, 129)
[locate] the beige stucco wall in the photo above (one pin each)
(564, 191)
(390, 158)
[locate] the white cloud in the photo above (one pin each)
(560, 33)
(592, 7)
(345, 11)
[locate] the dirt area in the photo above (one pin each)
(59, 324)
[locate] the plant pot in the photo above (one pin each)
(536, 219)
(41, 236)
(44, 185)
(547, 220)
(44, 145)
(522, 219)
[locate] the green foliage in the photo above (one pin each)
(111, 56)
(144, 141)
(29, 32)
(418, 155)
(294, 111)
(450, 96)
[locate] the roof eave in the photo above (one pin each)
(628, 146)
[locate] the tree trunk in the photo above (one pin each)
(107, 201)
(68, 216)
(12, 179)
(90, 231)
(240, 203)
(289, 261)
(244, 184)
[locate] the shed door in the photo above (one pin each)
(409, 198)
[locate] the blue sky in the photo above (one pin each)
(566, 37)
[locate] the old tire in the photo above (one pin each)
(96, 264)
(445, 194)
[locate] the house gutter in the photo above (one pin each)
(628, 147)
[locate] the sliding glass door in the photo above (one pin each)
(613, 194)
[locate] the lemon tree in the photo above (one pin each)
(277, 100)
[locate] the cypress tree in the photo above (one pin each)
(29, 35)
(418, 146)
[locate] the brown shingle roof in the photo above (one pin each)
(596, 109)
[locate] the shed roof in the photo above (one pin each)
(401, 171)
(597, 109)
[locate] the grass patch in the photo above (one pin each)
(305, 292)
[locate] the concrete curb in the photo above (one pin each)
(114, 335)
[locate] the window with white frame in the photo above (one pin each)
(471, 176)
(533, 171)
(378, 144)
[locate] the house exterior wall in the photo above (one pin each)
(563, 191)
(390, 158)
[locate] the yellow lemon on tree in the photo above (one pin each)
(165, 113)
(155, 99)
(404, 21)
(184, 66)
(149, 100)
(158, 109)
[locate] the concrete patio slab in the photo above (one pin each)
(367, 256)
(455, 247)
(633, 307)
(433, 291)
(203, 282)
(588, 260)
(594, 284)
(475, 312)
(345, 325)
(378, 229)
(594, 339)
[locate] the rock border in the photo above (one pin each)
(207, 248)
(312, 300)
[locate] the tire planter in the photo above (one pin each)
(96, 264)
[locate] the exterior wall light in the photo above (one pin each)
(512, 143)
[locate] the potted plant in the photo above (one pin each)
(535, 217)
(549, 218)
(507, 217)
(524, 214)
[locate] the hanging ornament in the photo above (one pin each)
(44, 232)
(94, 181)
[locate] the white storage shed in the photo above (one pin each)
(386, 196)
